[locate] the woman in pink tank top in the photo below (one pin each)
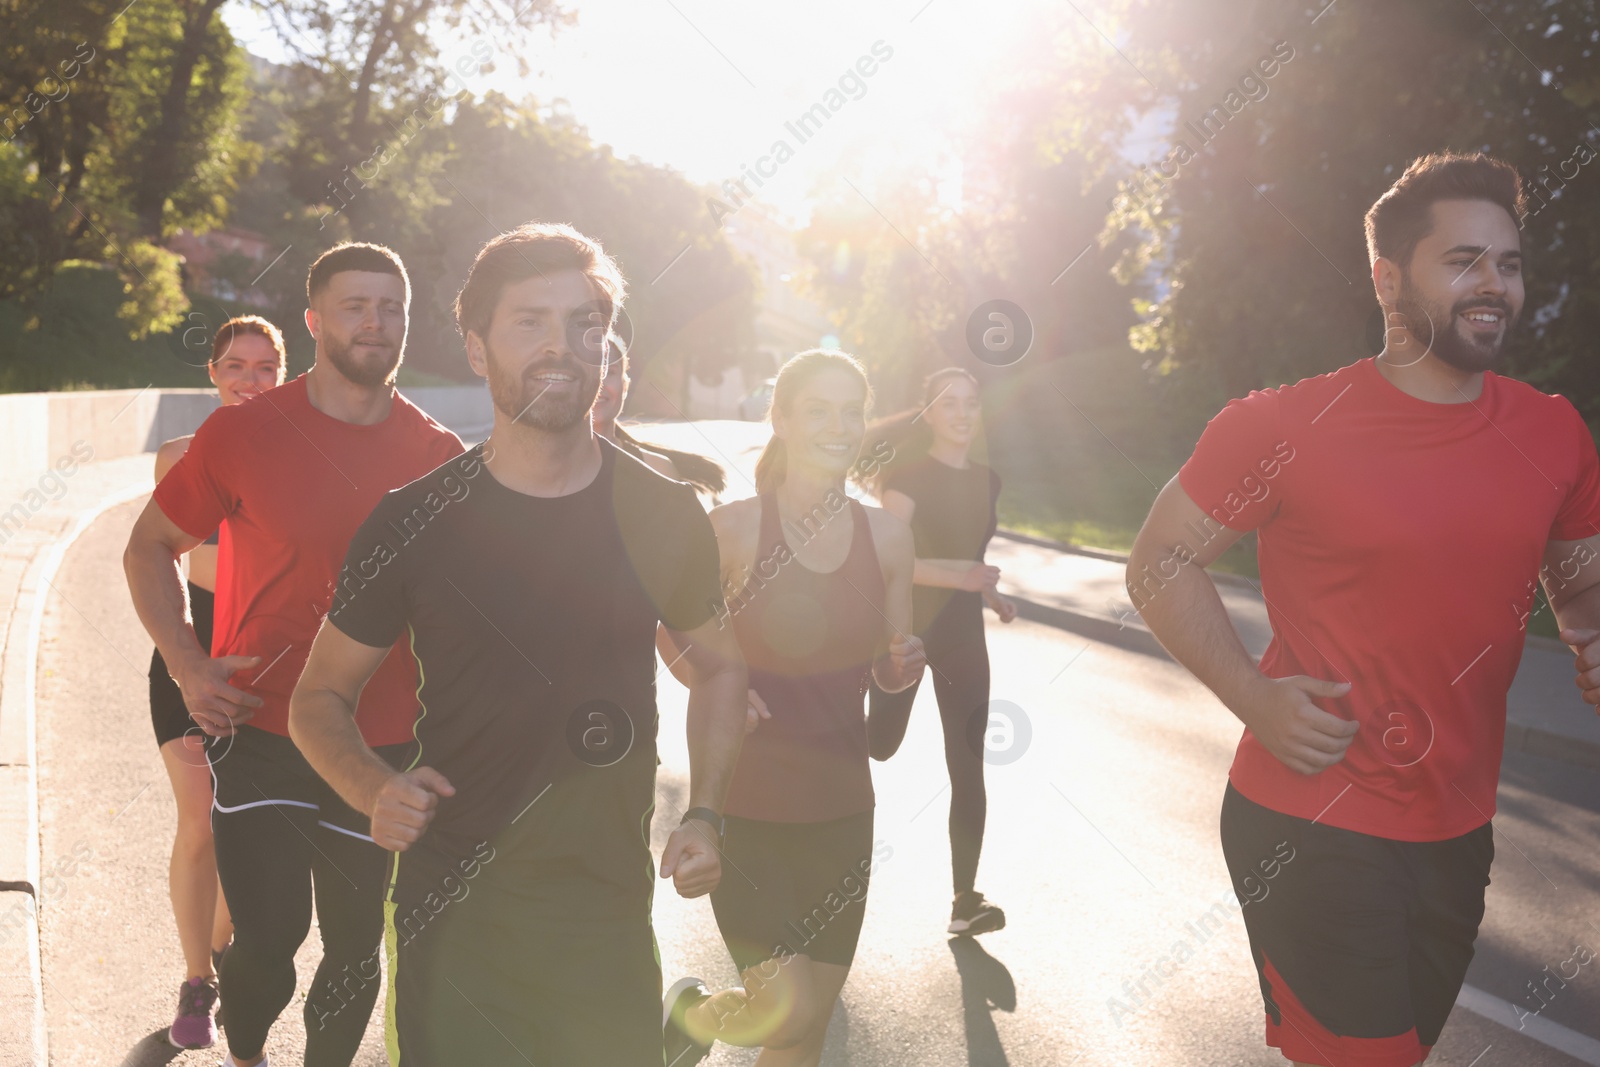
(819, 594)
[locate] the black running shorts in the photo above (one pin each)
(793, 888)
(168, 713)
(1361, 943)
(169, 716)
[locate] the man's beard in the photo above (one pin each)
(1435, 328)
(523, 399)
(361, 372)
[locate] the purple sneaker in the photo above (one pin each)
(194, 1027)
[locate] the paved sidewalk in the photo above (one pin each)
(1082, 590)
(42, 511)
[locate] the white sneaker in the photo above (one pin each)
(229, 1061)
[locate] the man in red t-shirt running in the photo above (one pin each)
(1405, 505)
(289, 475)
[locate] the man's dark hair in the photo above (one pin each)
(534, 249)
(354, 256)
(1403, 215)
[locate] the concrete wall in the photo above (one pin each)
(38, 430)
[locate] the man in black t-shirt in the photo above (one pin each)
(531, 575)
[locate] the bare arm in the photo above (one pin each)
(1571, 576)
(716, 710)
(1167, 582)
(202, 557)
(169, 453)
(707, 659)
(322, 722)
(156, 586)
(902, 665)
(671, 655)
(735, 529)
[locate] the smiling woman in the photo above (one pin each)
(820, 621)
(247, 358)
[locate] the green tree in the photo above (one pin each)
(373, 72)
(121, 125)
(1251, 266)
(484, 166)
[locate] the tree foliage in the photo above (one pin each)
(1263, 276)
(1219, 218)
(121, 124)
(378, 130)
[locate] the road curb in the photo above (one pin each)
(1520, 736)
(21, 979)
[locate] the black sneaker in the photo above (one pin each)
(682, 1050)
(971, 914)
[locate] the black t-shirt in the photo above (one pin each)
(533, 621)
(954, 519)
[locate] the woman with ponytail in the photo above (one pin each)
(949, 501)
(820, 600)
(704, 474)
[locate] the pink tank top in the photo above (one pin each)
(809, 639)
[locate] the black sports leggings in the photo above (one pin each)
(283, 837)
(958, 660)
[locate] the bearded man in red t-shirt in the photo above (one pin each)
(289, 476)
(1405, 506)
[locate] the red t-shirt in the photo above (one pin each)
(1399, 543)
(294, 485)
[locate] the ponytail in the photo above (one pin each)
(703, 473)
(773, 466)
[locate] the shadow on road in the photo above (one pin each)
(152, 1051)
(985, 985)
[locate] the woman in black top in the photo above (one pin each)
(931, 482)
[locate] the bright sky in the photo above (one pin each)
(706, 86)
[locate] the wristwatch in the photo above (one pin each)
(705, 815)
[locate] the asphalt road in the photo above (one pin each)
(1102, 848)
